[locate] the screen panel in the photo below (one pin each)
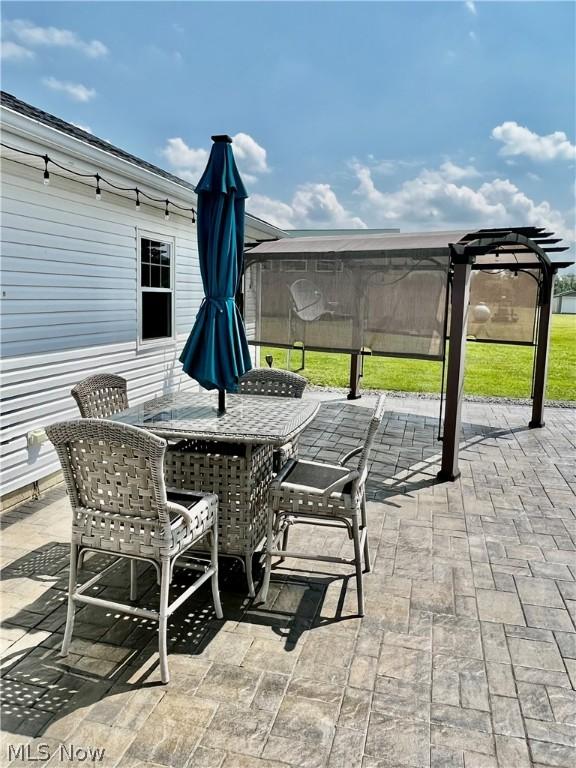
(503, 306)
(386, 306)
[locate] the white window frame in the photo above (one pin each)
(171, 241)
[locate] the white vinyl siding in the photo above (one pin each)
(69, 305)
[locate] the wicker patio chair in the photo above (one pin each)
(272, 381)
(330, 495)
(276, 383)
(101, 395)
(115, 479)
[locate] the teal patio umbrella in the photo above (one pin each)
(216, 353)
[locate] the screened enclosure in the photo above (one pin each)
(407, 295)
(503, 306)
(383, 295)
(353, 305)
(357, 301)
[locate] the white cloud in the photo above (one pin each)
(471, 5)
(249, 154)
(76, 91)
(453, 172)
(312, 205)
(519, 140)
(273, 211)
(33, 35)
(433, 200)
(10, 51)
(189, 162)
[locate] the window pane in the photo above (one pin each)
(156, 315)
(165, 255)
(165, 277)
(155, 276)
(155, 253)
(145, 277)
(145, 251)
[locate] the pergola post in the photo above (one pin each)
(355, 368)
(455, 375)
(542, 343)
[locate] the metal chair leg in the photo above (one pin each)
(268, 560)
(214, 579)
(367, 565)
(163, 620)
(285, 541)
(249, 577)
(71, 606)
(133, 579)
(358, 564)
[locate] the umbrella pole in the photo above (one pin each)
(221, 401)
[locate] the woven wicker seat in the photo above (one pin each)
(276, 383)
(115, 479)
(101, 395)
(326, 494)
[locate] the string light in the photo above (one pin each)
(46, 174)
(101, 180)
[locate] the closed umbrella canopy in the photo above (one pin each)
(216, 352)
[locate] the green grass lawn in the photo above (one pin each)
(491, 369)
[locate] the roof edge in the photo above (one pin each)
(35, 116)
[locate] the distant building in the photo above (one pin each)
(341, 232)
(564, 303)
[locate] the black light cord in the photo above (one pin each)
(101, 180)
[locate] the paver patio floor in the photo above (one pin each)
(466, 657)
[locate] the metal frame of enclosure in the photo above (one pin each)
(404, 295)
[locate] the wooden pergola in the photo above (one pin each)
(513, 249)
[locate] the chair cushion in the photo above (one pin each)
(315, 476)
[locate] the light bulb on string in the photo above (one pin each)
(137, 199)
(166, 211)
(46, 174)
(98, 190)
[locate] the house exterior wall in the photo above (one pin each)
(69, 303)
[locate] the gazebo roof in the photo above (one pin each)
(527, 247)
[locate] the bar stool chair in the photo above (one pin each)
(275, 382)
(114, 475)
(314, 493)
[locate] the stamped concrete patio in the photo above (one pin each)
(466, 657)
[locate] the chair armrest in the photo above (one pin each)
(277, 481)
(350, 455)
(202, 501)
(339, 484)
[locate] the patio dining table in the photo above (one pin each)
(230, 454)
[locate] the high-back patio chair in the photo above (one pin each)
(272, 381)
(276, 383)
(101, 395)
(115, 480)
(330, 495)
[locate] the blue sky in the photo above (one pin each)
(423, 115)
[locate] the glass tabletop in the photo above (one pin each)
(248, 418)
